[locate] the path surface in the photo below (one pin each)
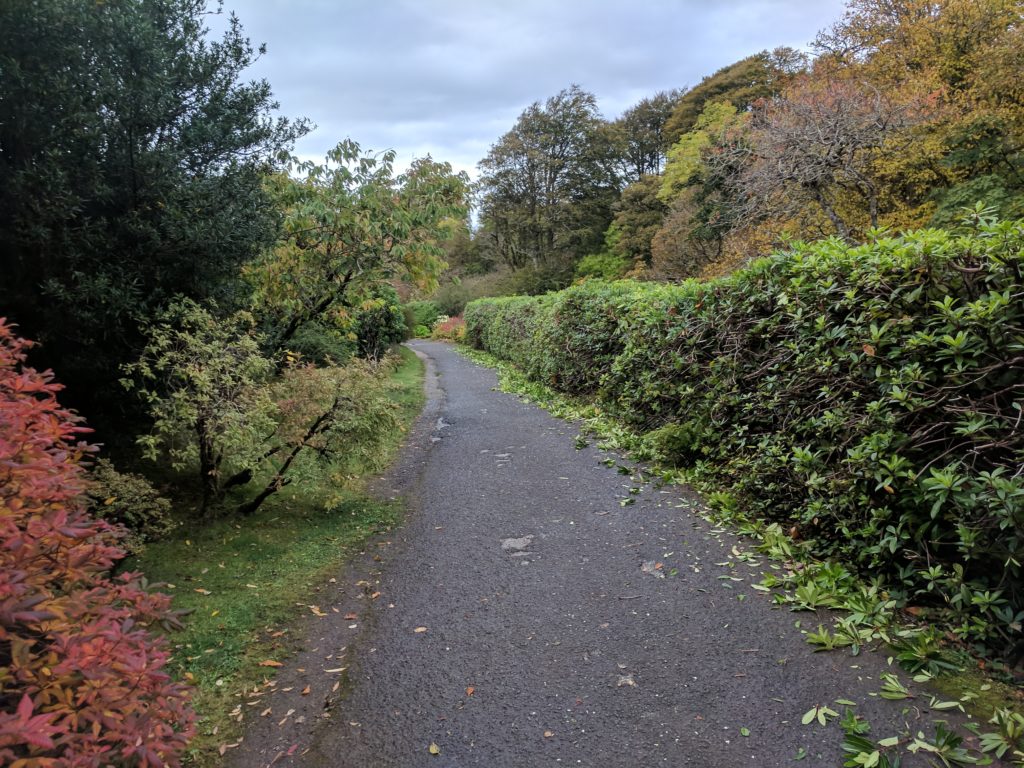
(528, 574)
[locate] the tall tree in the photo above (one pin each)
(639, 214)
(548, 184)
(132, 159)
(640, 133)
(698, 190)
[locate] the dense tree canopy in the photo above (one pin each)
(640, 133)
(741, 84)
(132, 158)
(548, 184)
(966, 55)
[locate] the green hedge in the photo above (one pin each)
(870, 398)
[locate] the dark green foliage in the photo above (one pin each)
(639, 214)
(130, 500)
(547, 186)
(132, 157)
(379, 321)
(322, 344)
(639, 135)
(422, 313)
(870, 397)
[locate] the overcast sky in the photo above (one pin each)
(449, 77)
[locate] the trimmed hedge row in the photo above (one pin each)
(870, 398)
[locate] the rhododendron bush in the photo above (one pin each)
(82, 678)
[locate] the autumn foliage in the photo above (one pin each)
(82, 680)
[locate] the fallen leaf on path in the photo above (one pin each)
(305, 691)
(288, 714)
(626, 680)
(351, 615)
(470, 690)
(202, 591)
(225, 747)
(548, 734)
(271, 663)
(652, 568)
(420, 630)
(375, 595)
(434, 749)
(316, 610)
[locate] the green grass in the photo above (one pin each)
(240, 579)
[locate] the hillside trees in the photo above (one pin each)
(967, 56)
(132, 158)
(639, 214)
(698, 190)
(823, 144)
(548, 184)
(741, 84)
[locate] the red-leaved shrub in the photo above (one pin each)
(82, 680)
(450, 328)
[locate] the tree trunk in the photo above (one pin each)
(272, 487)
(279, 480)
(209, 469)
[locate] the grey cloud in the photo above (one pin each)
(448, 77)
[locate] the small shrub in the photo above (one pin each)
(421, 314)
(604, 266)
(82, 680)
(131, 501)
(204, 380)
(449, 328)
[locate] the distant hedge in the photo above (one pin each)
(870, 398)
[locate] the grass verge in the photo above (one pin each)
(240, 579)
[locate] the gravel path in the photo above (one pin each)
(524, 616)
